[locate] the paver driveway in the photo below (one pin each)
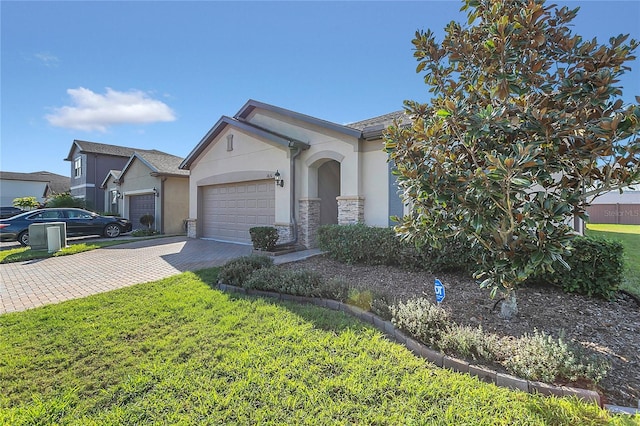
(39, 282)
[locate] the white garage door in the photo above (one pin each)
(230, 210)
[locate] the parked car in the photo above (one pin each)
(7, 212)
(79, 222)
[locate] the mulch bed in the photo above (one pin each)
(610, 329)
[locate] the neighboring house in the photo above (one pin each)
(150, 183)
(329, 173)
(90, 163)
(614, 207)
(37, 184)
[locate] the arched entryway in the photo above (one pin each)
(328, 191)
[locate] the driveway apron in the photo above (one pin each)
(39, 282)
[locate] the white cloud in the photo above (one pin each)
(92, 111)
(47, 59)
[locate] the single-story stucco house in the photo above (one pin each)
(40, 185)
(269, 166)
(150, 183)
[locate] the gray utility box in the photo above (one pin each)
(38, 235)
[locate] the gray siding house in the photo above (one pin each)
(90, 163)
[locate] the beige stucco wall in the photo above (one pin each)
(324, 144)
(137, 180)
(174, 197)
(363, 167)
(250, 159)
(375, 187)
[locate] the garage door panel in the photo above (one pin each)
(230, 210)
(139, 205)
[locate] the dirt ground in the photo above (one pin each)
(611, 329)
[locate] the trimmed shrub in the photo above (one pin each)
(359, 243)
(597, 267)
(264, 237)
(456, 254)
(470, 342)
(299, 283)
(367, 245)
(541, 357)
(236, 272)
(422, 319)
(147, 220)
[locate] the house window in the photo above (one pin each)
(77, 167)
(114, 201)
(229, 142)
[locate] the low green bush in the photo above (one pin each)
(368, 245)
(541, 357)
(422, 319)
(236, 272)
(360, 243)
(534, 357)
(144, 232)
(597, 268)
(470, 342)
(296, 282)
(336, 288)
(264, 237)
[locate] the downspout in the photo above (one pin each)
(162, 180)
(292, 195)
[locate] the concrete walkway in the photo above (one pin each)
(40, 282)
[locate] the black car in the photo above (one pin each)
(79, 222)
(7, 212)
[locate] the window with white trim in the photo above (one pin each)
(77, 167)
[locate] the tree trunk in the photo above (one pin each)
(509, 308)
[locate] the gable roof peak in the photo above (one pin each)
(103, 148)
(252, 105)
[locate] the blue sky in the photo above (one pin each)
(159, 74)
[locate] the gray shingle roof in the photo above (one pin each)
(162, 163)
(105, 149)
(372, 128)
(381, 120)
(57, 183)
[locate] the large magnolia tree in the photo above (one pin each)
(525, 126)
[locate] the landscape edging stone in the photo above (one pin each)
(435, 357)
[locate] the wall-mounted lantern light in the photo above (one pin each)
(156, 192)
(278, 179)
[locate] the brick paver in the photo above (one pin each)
(39, 282)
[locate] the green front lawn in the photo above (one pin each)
(629, 236)
(176, 351)
(22, 254)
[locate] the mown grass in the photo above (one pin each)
(176, 351)
(22, 254)
(629, 236)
